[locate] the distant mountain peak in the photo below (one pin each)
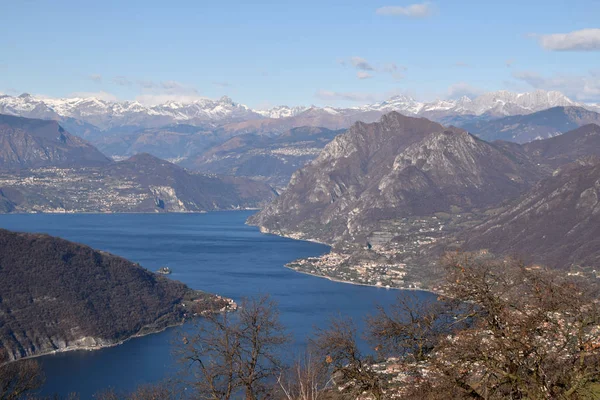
(109, 114)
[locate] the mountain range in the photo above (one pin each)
(397, 193)
(539, 125)
(398, 167)
(265, 158)
(45, 169)
(106, 115)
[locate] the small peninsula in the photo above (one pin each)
(57, 295)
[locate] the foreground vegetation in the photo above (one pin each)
(501, 330)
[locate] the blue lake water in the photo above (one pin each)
(215, 252)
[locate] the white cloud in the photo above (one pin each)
(365, 67)
(394, 70)
(345, 96)
(461, 89)
(421, 10)
(509, 63)
(461, 64)
(121, 81)
(361, 63)
(357, 97)
(578, 87)
(154, 93)
(583, 40)
(102, 95)
(97, 78)
(146, 84)
(222, 84)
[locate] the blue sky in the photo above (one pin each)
(298, 52)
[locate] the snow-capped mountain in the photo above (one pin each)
(107, 114)
(494, 104)
(404, 104)
(281, 111)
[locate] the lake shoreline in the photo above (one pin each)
(295, 236)
(72, 349)
(212, 252)
(362, 284)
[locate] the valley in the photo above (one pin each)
(300, 200)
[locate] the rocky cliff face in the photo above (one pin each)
(399, 167)
(557, 223)
(32, 143)
(58, 295)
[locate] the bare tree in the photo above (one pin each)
(411, 328)
(307, 379)
(352, 371)
(18, 378)
(534, 334)
(160, 391)
(239, 354)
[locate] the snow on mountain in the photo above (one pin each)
(281, 112)
(593, 106)
(501, 103)
(403, 104)
(106, 114)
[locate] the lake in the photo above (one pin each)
(215, 252)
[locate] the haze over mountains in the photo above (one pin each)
(108, 115)
(191, 134)
(45, 169)
(369, 184)
(27, 143)
(539, 125)
(269, 159)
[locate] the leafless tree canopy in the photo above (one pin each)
(533, 335)
(307, 379)
(18, 378)
(237, 354)
(352, 371)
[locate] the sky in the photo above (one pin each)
(268, 53)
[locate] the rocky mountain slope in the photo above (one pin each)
(556, 223)
(58, 295)
(539, 125)
(142, 183)
(565, 148)
(33, 143)
(397, 168)
(265, 158)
